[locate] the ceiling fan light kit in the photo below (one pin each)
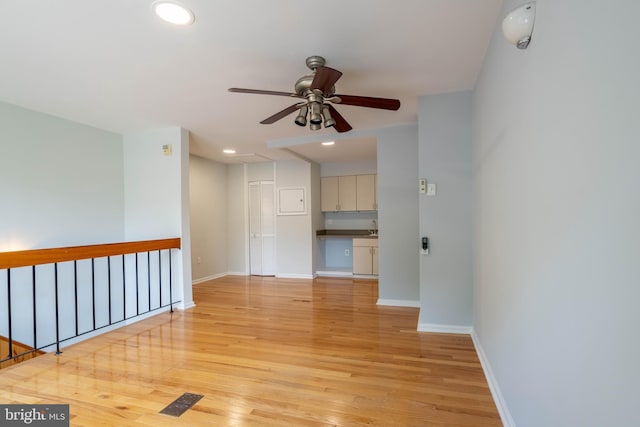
(301, 118)
(315, 117)
(326, 116)
(317, 91)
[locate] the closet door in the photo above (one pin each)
(268, 220)
(255, 229)
(262, 228)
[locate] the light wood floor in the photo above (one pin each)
(17, 348)
(266, 352)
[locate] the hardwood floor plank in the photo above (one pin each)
(267, 352)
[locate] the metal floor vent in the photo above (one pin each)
(181, 404)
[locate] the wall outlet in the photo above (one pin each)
(199, 260)
(347, 252)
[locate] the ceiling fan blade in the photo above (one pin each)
(325, 78)
(281, 114)
(341, 124)
(261, 92)
(365, 101)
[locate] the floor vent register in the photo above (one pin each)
(181, 404)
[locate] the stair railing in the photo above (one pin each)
(51, 296)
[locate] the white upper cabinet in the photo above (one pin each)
(366, 193)
(329, 193)
(348, 193)
(338, 193)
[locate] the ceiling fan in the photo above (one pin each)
(317, 94)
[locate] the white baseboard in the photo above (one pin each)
(186, 305)
(334, 273)
(206, 279)
(237, 273)
(294, 276)
(113, 327)
(444, 329)
(501, 404)
(398, 302)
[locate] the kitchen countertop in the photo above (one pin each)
(324, 234)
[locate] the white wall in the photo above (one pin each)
(317, 222)
(557, 271)
(358, 167)
(183, 257)
(263, 171)
(156, 196)
(237, 252)
(445, 160)
(238, 178)
(152, 185)
(295, 236)
(397, 168)
(61, 183)
(349, 220)
(208, 191)
(399, 281)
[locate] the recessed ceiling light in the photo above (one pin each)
(173, 12)
(328, 143)
(229, 151)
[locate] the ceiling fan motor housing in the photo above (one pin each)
(303, 86)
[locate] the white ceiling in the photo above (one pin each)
(114, 65)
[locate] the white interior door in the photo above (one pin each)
(262, 237)
(268, 228)
(255, 229)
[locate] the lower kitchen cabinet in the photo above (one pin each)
(365, 256)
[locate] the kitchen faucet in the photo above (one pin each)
(375, 228)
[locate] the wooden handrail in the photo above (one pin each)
(48, 256)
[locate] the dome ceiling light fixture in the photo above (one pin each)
(173, 12)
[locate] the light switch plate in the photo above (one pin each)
(431, 189)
